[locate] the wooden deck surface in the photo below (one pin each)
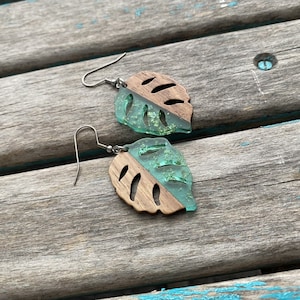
(57, 240)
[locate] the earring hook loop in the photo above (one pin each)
(116, 83)
(109, 148)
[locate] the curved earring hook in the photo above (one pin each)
(116, 83)
(109, 148)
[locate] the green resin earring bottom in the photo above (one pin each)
(167, 165)
(150, 175)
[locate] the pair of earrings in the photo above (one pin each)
(149, 174)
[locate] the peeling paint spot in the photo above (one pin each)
(126, 10)
(188, 16)
(180, 6)
(177, 9)
(79, 25)
(139, 11)
(224, 3)
(233, 292)
(232, 4)
(199, 5)
(244, 144)
(94, 21)
(282, 296)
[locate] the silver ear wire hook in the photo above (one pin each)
(109, 148)
(116, 83)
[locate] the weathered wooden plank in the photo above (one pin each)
(39, 111)
(58, 240)
(40, 33)
(284, 285)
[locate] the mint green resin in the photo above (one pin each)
(143, 116)
(167, 166)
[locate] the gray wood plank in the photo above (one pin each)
(58, 240)
(39, 111)
(284, 285)
(39, 33)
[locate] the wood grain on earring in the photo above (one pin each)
(124, 172)
(163, 91)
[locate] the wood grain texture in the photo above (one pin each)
(183, 110)
(42, 33)
(143, 200)
(284, 285)
(39, 111)
(58, 240)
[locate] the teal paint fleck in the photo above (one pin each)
(167, 165)
(177, 9)
(79, 25)
(232, 4)
(144, 116)
(126, 10)
(180, 6)
(139, 11)
(226, 293)
(5, 4)
(188, 16)
(31, 1)
(283, 296)
(282, 124)
(94, 21)
(298, 197)
(245, 144)
(199, 5)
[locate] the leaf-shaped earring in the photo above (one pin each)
(150, 102)
(149, 174)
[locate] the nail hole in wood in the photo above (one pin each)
(265, 61)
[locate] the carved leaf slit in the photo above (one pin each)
(162, 118)
(129, 103)
(162, 87)
(134, 186)
(123, 172)
(156, 193)
(147, 80)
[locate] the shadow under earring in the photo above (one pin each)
(149, 174)
(150, 102)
